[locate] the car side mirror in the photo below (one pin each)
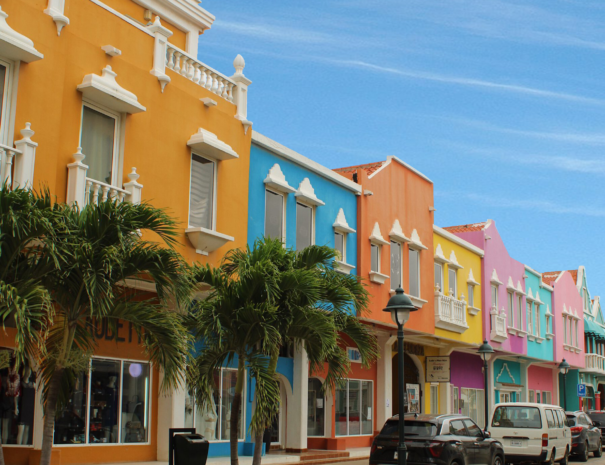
(487, 434)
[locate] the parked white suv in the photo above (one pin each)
(531, 432)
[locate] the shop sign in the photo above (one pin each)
(120, 332)
(438, 369)
(413, 349)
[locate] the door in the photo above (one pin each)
(481, 447)
(458, 429)
(504, 397)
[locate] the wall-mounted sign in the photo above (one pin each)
(413, 397)
(438, 369)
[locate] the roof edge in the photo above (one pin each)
(457, 240)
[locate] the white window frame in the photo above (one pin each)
(565, 339)
(149, 410)
(117, 161)
(313, 211)
(530, 316)
(400, 267)
(480, 405)
(449, 284)
(326, 414)
(470, 298)
(214, 188)
(434, 398)
(494, 290)
(360, 411)
(520, 312)
(510, 302)
(419, 252)
(537, 325)
(284, 202)
(437, 264)
(7, 109)
(379, 249)
(219, 415)
(344, 245)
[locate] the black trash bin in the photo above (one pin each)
(190, 449)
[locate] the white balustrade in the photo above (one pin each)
(450, 313)
(498, 322)
(594, 362)
(178, 61)
(7, 158)
(97, 191)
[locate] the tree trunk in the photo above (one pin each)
(49, 416)
(258, 448)
(235, 408)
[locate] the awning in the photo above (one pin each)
(593, 329)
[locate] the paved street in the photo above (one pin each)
(591, 461)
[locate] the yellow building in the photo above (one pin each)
(107, 98)
(458, 325)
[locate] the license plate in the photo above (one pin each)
(516, 443)
(395, 455)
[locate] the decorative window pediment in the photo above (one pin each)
(341, 224)
(306, 193)
(439, 256)
(471, 278)
(376, 236)
(207, 143)
(277, 180)
(104, 90)
(396, 233)
(520, 288)
(494, 279)
(15, 46)
(454, 262)
(510, 285)
(415, 241)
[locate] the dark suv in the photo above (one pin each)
(598, 417)
(585, 436)
(437, 439)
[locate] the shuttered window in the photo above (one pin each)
(396, 265)
(304, 226)
(274, 215)
(201, 201)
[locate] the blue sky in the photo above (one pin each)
(500, 103)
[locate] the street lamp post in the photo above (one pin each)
(564, 368)
(400, 306)
(486, 352)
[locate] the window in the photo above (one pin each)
(550, 419)
(354, 406)
(304, 226)
(453, 281)
(537, 319)
(473, 404)
(434, 399)
(213, 420)
(577, 344)
(18, 400)
(455, 400)
(414, 273)
(495, 297)
(100, 144)
(565, 329)
(109, 404)
(517, 417)
(511, 318)
(395, 265)
(546, 397)
(354, 354)
(547, 321)
(473, 429)
(375, 258)
(519, 322)
(532, 396)
(274, 215)
(316, 407)
(201, 197)
(471, 295)
(439, 276)
(340, 246)
(457, 428)
(530, 326)
(4, 101)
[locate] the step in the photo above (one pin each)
(323, 455)
(327, 461)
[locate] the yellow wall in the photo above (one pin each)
(155, 140)
(468, 260)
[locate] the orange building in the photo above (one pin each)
(107, 98)
(395, 240)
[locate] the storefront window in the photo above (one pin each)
(118, 395)
(316, 409)
(214, 420)
(17, 400)
(473, 404)
(354, 407)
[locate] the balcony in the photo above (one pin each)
(498, 320)
(595, 363)
(450, 313)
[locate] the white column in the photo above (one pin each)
(555, 387)
(192, 39)
(159, 51)
(445, 398)
(296, 437)
(491, 390)
(134, 187)
(384, 383)
(171, 414)
(25, 161)
(76, 180)
(524, 380)
(240, 93)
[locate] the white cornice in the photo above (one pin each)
(455, 239)
(291, 155)
(187, 15)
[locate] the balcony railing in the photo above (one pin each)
(17, 164)
(595, 363)
(97, 191)
(498, 320)
(450, 313)
(7, 156)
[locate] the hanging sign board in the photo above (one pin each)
(438, 369)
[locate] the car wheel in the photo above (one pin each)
(584, 456)
(599, 451)
(498, 460)
(565, 459)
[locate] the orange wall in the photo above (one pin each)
(398, 193)
(155, 140)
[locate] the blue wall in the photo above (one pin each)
(503, 376)
(545, 349)
(334, 196)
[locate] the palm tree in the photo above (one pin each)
(266, 297)
(25, 230)
(98, 248)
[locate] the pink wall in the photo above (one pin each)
(497, 257)
(566, 294)
(540, 379)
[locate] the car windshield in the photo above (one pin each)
(571, 420)
(517, 417)
(412, 428)
(597, 416)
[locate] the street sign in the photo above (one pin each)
(438, 369)
(581, 390)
